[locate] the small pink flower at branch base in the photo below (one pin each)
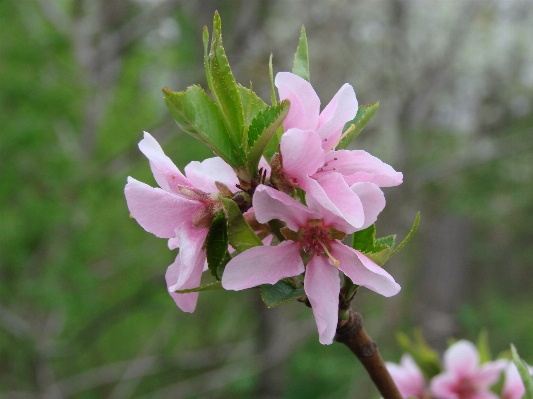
(464, 377)
(513, 386)
(180, 210)
(316, 233)
(307, 155)
(408, 378)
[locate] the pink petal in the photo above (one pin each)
(166, 174)
(263, 265)
(461, 359)
(204, 174)
(192, 253)
(443, 386)
(305, 104)
(330, 219)
(335, 195)
(372, 199)
(513, 387)
(269, 203)
(359, 166)
(186, 302)
(341, 109)
(158, 211)
(488, 373)
(362, 271)
(407, 377)
(322, 286)
(301, 153)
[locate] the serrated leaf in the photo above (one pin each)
(379, 257)
(363, 116)
(199, 116)
(365, 241)
(523, 370)
(388, 241)
(251, 102)
(205, 39)
(217, 285)
(281, 292)
(224, 87)
(240, 234)
(261, 130)
(301, 58)
(216, 246)
(408, 237)
(273, 145)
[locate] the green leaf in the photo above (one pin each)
(365, 240)
(282, 292)
(273, 145)
(214, 286)
(262, 128)
(251, 102)
(223, 86)
(524, 373)
(216, 246)
(425, 357)
(197, 115)
(483, 348)
(379, 257)
(240, 235)
(301, 58)
(363, 116)
(406, 239)
(271, 76)
(205, 39)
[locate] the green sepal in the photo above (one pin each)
(523, 370)
(224, 87)
(408, 237)
(363, 116)
(425, 357)
(197, 115)
(240, 234)
(301, 57)
(262, 129)
(282, 292)
(216, 246)
(214, 286)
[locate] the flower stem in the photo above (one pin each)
(351, 333)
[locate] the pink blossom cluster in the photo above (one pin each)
(342, 195)
(463, 376)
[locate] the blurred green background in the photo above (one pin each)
(84, 311)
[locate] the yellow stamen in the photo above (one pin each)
(335, 261)
(347, 132)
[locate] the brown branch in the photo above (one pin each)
(351, 333)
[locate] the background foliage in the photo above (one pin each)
(83, 307)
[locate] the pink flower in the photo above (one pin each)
(316, 232)
(309, 160)
(407, 377)
(464, 378)
(513, 386)
(181, 210)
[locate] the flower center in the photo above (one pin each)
(315, 241)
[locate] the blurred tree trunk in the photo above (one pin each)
(443, 278)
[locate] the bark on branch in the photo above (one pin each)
(352, 334)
